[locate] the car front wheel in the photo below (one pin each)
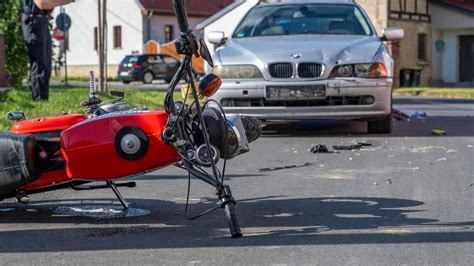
(148, 77)
(382, 126)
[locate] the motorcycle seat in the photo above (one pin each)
(17, 161)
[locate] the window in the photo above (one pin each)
(422, 46)
(169, 33)
(169, 60)
(117, 37)
(96, 37)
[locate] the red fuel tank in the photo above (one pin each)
(117, 145)
(53, 123)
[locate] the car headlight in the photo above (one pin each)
(373, 70)
(237, 72)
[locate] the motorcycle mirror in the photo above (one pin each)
(119, 94)
(206, 55)
(16, 116)
(209, 85)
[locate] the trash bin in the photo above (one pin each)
(415, 79)
(410, 77)
(405, 76)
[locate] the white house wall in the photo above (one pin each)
(229, 21)
(444, 18)
(124, 13)
(448, 26)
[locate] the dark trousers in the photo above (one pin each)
(39, 44)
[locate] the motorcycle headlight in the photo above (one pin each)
(373, 70)
(237, 72)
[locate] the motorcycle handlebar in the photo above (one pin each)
(180, 10)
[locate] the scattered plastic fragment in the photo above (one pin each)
(375, 184)
(419, 115)
(389, 182)
(442, 160)
(470, 146)
(355, 146)
(427, 149)
(438, 132)
(452, 151)
(284, 167)
(400, 116)
(319, 148)
(416, 168)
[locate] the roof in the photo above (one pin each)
(194, 7)
(463, 6)
(219, 14)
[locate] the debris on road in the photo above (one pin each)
(355, 146)
(442, 160)
(427, 149)
(452, 151)
(416, 168)
(419, 115)
(284, 167)
(100, 211)
(389, 182)
(438, 132)
(400, 116)
(319, 148)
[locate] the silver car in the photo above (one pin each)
(307, 60)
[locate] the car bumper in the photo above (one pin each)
(341, 101)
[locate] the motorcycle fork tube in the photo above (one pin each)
(185, 69)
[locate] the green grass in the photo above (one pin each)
(84, 79)
(458, 93)
(63, 99)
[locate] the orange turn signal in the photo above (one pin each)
(378, 70)
(209, 85)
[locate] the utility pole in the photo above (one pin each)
(105, 43)
(3, 72)
(102, 43)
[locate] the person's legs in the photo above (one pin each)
(40, 71)
(34, 72)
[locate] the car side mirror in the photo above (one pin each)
(393, 34)
(16, 116)
(215, 37)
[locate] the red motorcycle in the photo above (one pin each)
(116, 141)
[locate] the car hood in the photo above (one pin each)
(326, 49)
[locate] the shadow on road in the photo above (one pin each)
(266, 222)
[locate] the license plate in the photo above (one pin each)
(124, 73)
(295, 92)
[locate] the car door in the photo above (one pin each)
(171, 66)
(159, 67)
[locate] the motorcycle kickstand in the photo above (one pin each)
(118, 194)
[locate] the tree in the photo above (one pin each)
(16, 54)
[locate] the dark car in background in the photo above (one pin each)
(147, 67)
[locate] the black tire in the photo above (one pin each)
(148, 77)
(382, 126)
(126, 81)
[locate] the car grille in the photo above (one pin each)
(329, 101)
(286, 70)
(309, 70)
(281, 70)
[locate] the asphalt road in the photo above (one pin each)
(408, 199)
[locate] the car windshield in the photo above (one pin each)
(296, 19)
(130, 59)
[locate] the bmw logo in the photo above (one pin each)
(296, 56)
